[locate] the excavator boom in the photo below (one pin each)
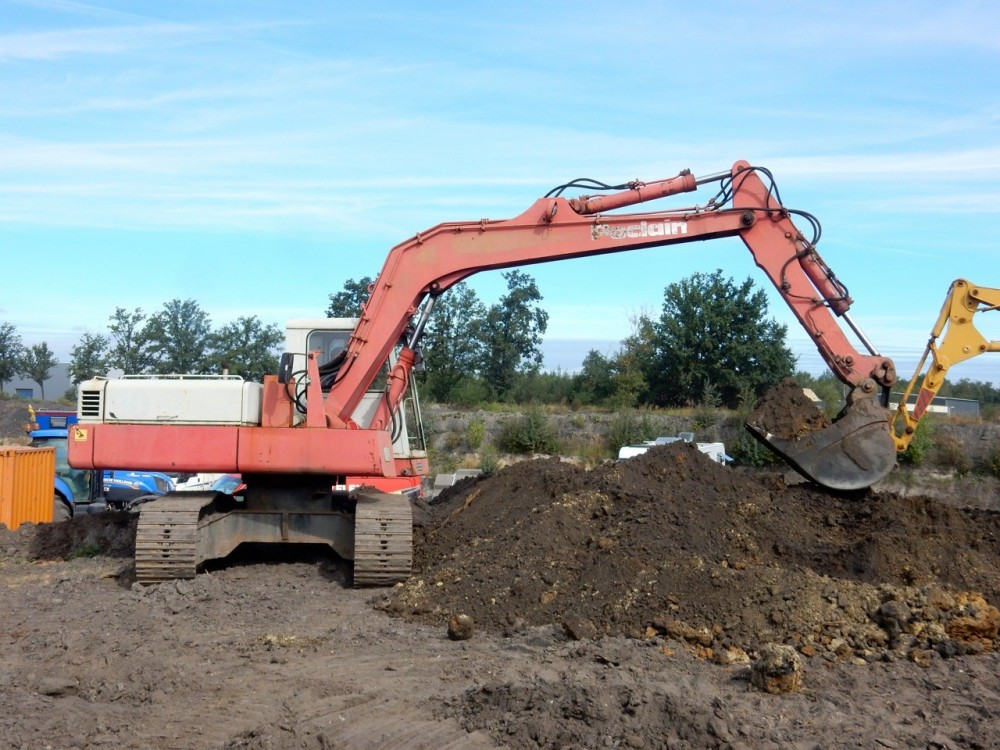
(854, 455)
(953, 339)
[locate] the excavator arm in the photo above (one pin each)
(856, 454)
(555, 229)
(332, 440)
(953, 339)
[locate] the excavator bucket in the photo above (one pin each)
(852, 453)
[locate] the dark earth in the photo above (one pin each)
(626, 606)
(786, 412)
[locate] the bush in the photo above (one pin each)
(489, 461)
(528, 433)
(475, 432)
(706, 413)
(920, 445)
(627, 427)
(950, 453)
(470, 392)
(992, 463)
(749, 451)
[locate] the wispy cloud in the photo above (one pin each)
(51, 45)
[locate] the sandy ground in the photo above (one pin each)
(283, 656)
(260, 654)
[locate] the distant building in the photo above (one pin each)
(55, 387)
(944, 406)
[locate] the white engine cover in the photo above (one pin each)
(190, 400)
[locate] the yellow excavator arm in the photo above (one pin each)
(960, 341)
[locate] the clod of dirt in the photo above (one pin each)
(777, 669)
(461, 627)
(786, 412)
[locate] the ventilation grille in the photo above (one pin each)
(90, 404)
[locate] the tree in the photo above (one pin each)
(348, 303)
(11, 351)
(452, 344)
(512, 333)
(36, 364)
(248, 347)
(595, 383)
(715, 333)
(633, 364)
(178, 337)
(130, 348)
(89, 357)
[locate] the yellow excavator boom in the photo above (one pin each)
(953, 339)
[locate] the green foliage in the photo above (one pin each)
(129, 349)
(87, 550)
(633, 363)
(88, 358)
(178, 337)
(992, 462)
(706, 413)
(920, 446)
(628, 427)
(452, 345)
(470, 392)
(475, 433)
(36, 364)
(489, 461)
(950, 453)
(827, 388)
(595, 383)
(512, 334)
(746, 449)
(541, 388)
(348, 302)
(247, 346)
(983, 392)
(11, 351)
(528, 433)
(714, 330)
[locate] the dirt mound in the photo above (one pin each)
(671, 543)
(110, 534)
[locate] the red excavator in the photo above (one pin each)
(334, 409)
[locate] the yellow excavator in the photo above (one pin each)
(953, 339)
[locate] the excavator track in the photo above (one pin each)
(166, 540)
(383, 539)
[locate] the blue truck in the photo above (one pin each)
(77, 491)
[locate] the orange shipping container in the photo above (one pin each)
(27, 476)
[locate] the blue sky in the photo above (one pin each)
(255, 155)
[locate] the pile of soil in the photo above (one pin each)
(786, 411)
(672, 544)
